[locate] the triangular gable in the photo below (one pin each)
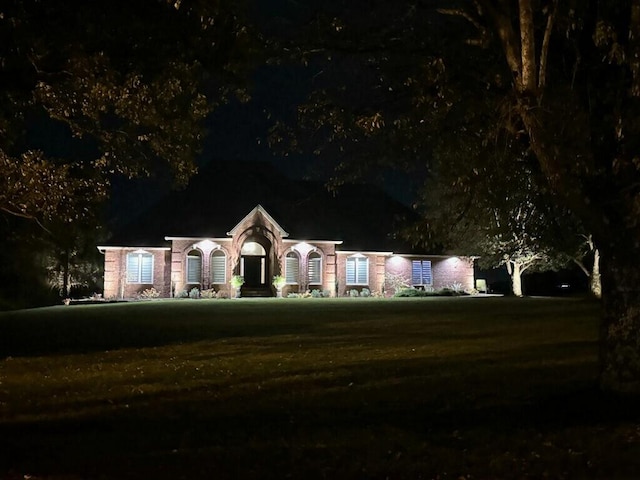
(259, 209)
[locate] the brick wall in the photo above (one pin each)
(115, 273)
(445, 270)
(376, 273)
(179, 251)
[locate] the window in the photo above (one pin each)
(140, 267)
(291, 267)
(421, 272)
(194, 267)
(315, 268)
(218, 267)
(357, 270)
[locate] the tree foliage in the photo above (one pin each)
(563, 79)
(92, 92)
(494, 207)
(123, 86)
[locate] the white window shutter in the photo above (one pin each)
(291, 268)
(351, 271)
(315, 270)
(194, 269)
(218, 268)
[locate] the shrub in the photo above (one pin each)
(293, 295)
(315, 293)
(194, 292)
(326, 293)
(149, 293)
(354, 293)
(396, 281)
(182, 294)
(208, 293)
(410, 292)
(222, 294)
(365, 292)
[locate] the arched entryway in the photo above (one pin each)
(256, 267)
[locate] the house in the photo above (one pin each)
(316, 241)
(258, 248)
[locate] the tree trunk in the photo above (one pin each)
(609, 209)
(620, 328)
(516, 278)
(595, 282)
(66, 288)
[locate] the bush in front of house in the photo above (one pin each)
(415, 292)
(149, 293)
(410, 292)
(194, 292)
(208, 293)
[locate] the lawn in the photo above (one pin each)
(432, 388)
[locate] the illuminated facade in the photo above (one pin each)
(258, 248)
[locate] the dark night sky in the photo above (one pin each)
(238, 132)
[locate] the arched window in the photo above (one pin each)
(357, 270)
(218, 267)
(194, 267)
(253, 248)
(292, 267)
(315, 268)
(140, 267)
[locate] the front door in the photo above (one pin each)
(254, 271)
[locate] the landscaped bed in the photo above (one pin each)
(316, 388)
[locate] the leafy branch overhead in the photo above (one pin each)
(559, 82)
(96, 89)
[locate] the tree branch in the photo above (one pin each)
(27, 216)
(508, 38)
(528, 49)
(544, 52)
(459, 12)
(580, 264)
(634, 39)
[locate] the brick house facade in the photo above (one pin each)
(258, 248)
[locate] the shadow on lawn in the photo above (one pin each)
(324, 439)
(51, 335)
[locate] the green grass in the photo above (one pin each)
(311, 388)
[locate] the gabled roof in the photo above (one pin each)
(258, 210)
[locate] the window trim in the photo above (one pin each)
(358, 260)
(422, 265)
(224, 266)
(294, 255)
(318, 257)
(139, 279)
(187, 272)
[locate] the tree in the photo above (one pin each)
(577, 106)
(565, 79)
(495, 209)
(68, 254)
(89, 90)
(92, 92)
